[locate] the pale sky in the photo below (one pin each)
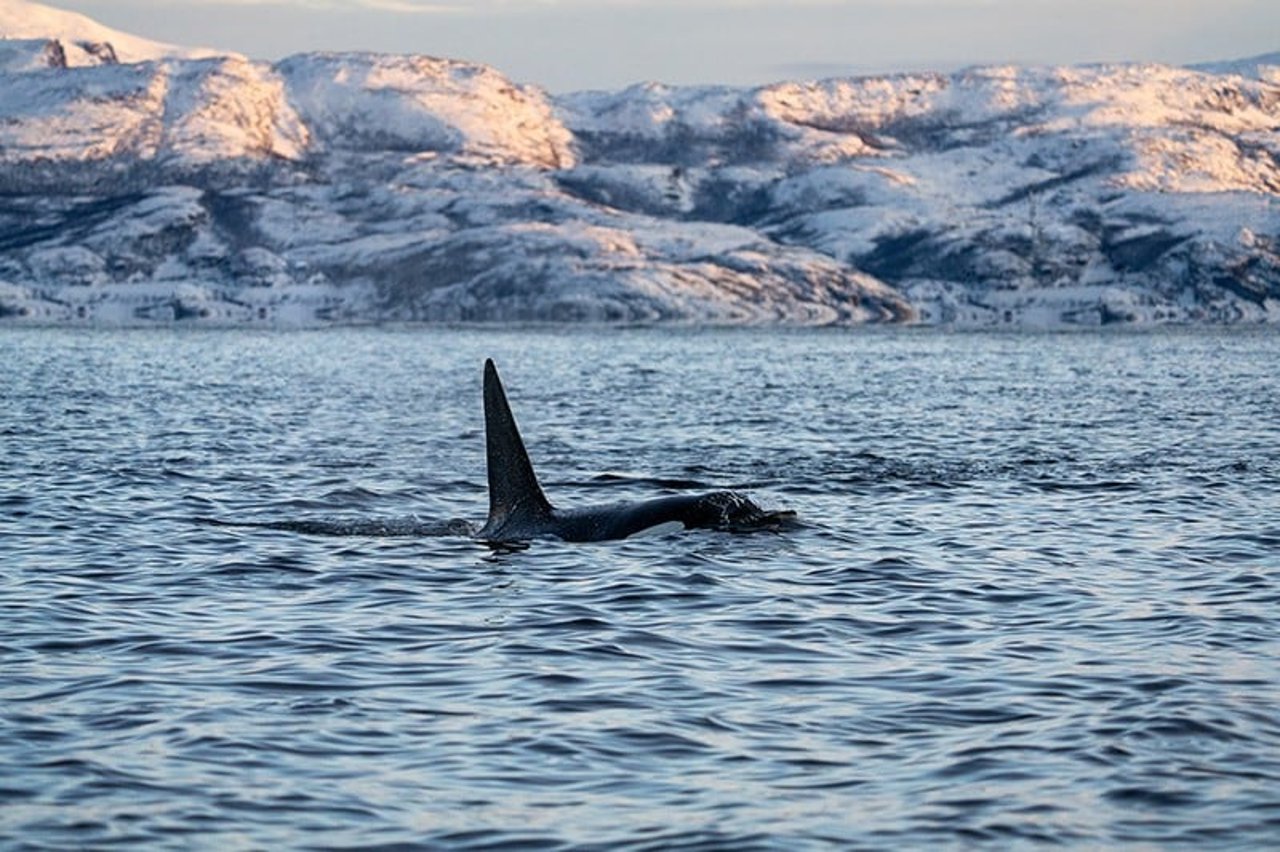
(584, 44)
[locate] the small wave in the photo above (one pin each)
(610, 479)
(345, 527)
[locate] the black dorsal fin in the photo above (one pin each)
(515, 498)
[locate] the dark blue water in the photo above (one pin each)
(1035, 595)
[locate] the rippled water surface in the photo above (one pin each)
(1035, 595)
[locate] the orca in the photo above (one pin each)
(519, 510)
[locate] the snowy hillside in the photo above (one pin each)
(360, 187)
(83, 39)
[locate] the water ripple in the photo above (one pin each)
(1033, 599)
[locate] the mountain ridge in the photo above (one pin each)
(354, 187)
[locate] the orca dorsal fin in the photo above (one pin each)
(515, 498)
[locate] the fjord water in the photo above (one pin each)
(1035, 594)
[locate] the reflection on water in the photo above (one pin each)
(1034, 596)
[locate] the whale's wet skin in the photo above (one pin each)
(1036, 596)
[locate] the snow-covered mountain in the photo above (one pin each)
(81, 40)
(153, 185)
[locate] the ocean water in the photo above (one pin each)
(1034, 594)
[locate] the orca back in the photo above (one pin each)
(517, 506)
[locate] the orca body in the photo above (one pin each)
(518, 510)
